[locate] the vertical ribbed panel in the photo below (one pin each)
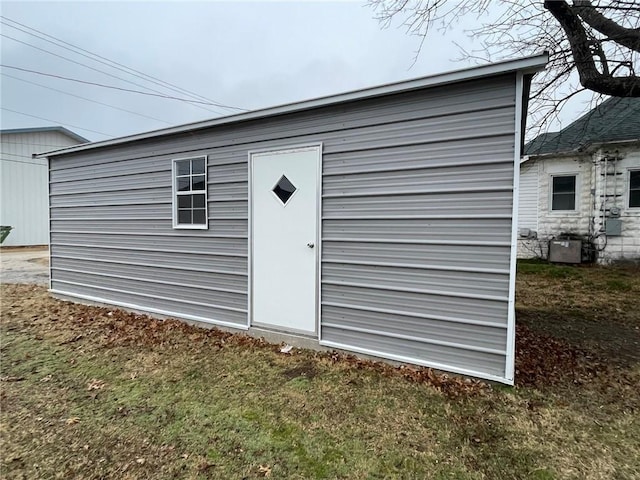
(416, 223)
(23, 202)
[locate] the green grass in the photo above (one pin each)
(550, 270)
(137, 398)
(619, 285)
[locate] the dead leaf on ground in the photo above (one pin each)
(95, 385)
(264, 470)
(72, 420)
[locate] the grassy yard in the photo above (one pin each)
(98, 393)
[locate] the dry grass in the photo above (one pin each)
(96, 393)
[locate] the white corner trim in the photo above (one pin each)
(511, 312)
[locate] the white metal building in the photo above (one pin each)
(24, 196)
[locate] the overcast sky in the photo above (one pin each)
(243, 54)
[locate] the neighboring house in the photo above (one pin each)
(584, 181)
(378, 221)
(24, 199)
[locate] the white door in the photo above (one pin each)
(284, 237)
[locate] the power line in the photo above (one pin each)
(20, 161)
(94, 69)
(100, 84)
(16, 155)
(84, 98)
(29, 143)
(55, 121)
(110, 63)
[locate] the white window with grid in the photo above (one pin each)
(190, 193)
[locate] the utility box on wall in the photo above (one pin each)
(565, 251)
(613, 227)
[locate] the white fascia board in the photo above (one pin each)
(526, 65)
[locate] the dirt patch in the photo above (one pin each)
(40, 261)
(306, 369)
(29, 248)
(618, 343)
(24, 265)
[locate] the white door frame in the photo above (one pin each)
(318, 240)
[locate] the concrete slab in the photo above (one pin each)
(24, 265)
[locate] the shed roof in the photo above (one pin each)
(614, 120)
(526, 65)
(60, 129)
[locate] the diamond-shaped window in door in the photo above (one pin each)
(284, 189)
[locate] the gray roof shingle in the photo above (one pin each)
(615, 119)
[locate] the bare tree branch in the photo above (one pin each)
(628, 37)
(505, 28)
(590, 77)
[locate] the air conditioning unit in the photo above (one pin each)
(565, 251)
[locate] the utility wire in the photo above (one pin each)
(31, 144)
(56, 122)
(101, 84)
(110, 63)
(20, 161)
(17, 155)
(84, 98)
(100, 71)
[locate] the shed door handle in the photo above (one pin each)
(311, 245)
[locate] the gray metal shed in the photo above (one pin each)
(380, 221)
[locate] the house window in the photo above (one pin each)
(634, 189)
(190, 193)
(563, 193)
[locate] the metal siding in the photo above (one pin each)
(465, 282)
(23, 202)
(416, 211)
(416, 240)
(194, 261)
(412, 348)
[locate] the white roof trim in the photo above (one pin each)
(587, 149)
(526, 65)
(60, 129)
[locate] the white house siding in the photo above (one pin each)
(528, 208)
(590, 207)
(23, 198)
(528, 205)
(554, 223)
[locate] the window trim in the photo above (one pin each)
(174, 195)
(576, 196)
(628, 187)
